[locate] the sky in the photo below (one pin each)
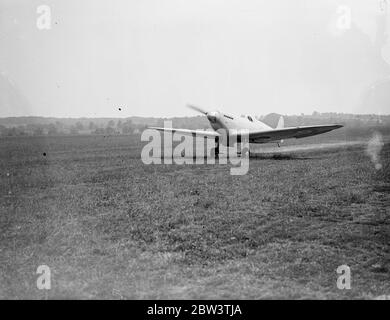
(152, 57)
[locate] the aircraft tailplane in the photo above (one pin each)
(280, 123)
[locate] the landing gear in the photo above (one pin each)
(216, 152)
(244, 152)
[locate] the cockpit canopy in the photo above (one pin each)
(249, 117)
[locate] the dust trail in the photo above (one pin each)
(315, 146)
(374, 147)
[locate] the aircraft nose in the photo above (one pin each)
(212, 116)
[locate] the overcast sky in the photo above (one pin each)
(151, 57)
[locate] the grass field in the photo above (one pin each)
(110, 227)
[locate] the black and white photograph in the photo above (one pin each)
(194, 150)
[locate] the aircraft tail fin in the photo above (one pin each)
(280, 123)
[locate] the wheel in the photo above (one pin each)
(216, 152)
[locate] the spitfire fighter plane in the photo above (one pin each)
(259, 132)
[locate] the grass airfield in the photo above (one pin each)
(110, 227)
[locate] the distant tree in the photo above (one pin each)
(142, 127)
(111, 123)
(79, 126)
(59, 125)
(315, 113)
(14, 131)
(21, 131)
(119, 125)
(38, 131)
(127, 127)
(52, 129)
(109, 130)
(11, 132)
(3, 130)
(99, 131)
(74, 130)
(91, 126)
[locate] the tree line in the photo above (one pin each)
(111, 127)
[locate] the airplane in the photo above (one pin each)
(259, 132)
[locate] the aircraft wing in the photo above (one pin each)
(199, 133)
(263, 136)
(292, 132)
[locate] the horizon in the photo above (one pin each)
(194, 116)
(198, 115)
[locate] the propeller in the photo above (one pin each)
(197, 109)
(211, 115)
